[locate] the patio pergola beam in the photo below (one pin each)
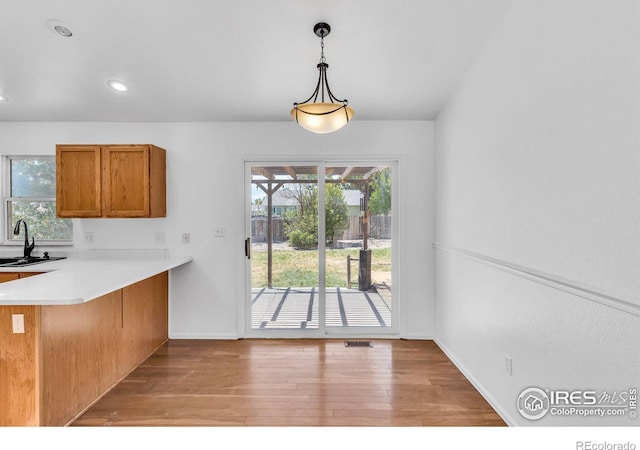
(327, 181)
(346, 173)
(368, 175)
(264, 172)
(291, 171)
(270, 189)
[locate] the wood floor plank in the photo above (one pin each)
(287, 382)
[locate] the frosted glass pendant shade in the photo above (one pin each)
(322, 117)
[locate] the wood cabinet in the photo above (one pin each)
(78, 181)
(110, 181)
(71, 355)
(10, 276)
(18, 370)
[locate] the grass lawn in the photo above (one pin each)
(299, 268)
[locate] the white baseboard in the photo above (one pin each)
(181, 335)
(418, 337)
(476, 384)
(218, 336)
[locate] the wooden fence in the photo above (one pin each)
(259, 229)
(379, 228)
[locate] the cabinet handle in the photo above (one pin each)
(247, 248)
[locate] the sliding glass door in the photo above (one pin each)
(319, 249)
(284, 258)
(358, 249)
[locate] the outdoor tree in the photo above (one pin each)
(301, 225)
(380, 198)
(33, 180)
(336, 211)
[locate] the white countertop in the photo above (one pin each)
(81, 278)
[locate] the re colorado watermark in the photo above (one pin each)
(588, 445)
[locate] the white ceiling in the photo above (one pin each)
(234, 60)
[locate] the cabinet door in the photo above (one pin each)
(8, 276)
(125, 172)
(29, 274)
(78, 181)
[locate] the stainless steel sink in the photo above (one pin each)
(8, 260)
(31, 260)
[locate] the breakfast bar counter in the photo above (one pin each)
(79, 279)
(73, 328)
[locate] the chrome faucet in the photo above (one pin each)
(28, 248)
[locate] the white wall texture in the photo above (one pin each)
(205, 188)
(537, 206)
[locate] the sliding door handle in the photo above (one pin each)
(247, 248)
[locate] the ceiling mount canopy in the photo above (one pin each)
(322, 117)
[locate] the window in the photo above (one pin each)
(29, 193)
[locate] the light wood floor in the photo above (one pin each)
(267, 382)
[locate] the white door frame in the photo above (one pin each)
(322, 331)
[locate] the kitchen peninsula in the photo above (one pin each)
(71, 329)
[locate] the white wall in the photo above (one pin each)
(538, 206)
(205, 189)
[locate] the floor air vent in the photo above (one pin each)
(358, 344)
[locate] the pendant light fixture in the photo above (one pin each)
(322, 117)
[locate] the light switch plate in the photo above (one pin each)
(219, 231)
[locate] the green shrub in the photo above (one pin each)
(303, 240)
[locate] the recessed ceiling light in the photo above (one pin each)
(117, 85)
(62, 29)
(4, 98)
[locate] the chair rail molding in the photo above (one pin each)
(628, 305)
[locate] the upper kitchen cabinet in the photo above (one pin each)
(78, 186)
(133, 181)
(110, 181)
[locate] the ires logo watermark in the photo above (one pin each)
(535, 403)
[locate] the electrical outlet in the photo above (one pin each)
(186, 238)
(159, 237)
(88, 236)
(18, 323)
(219, 231)
(508, 365)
